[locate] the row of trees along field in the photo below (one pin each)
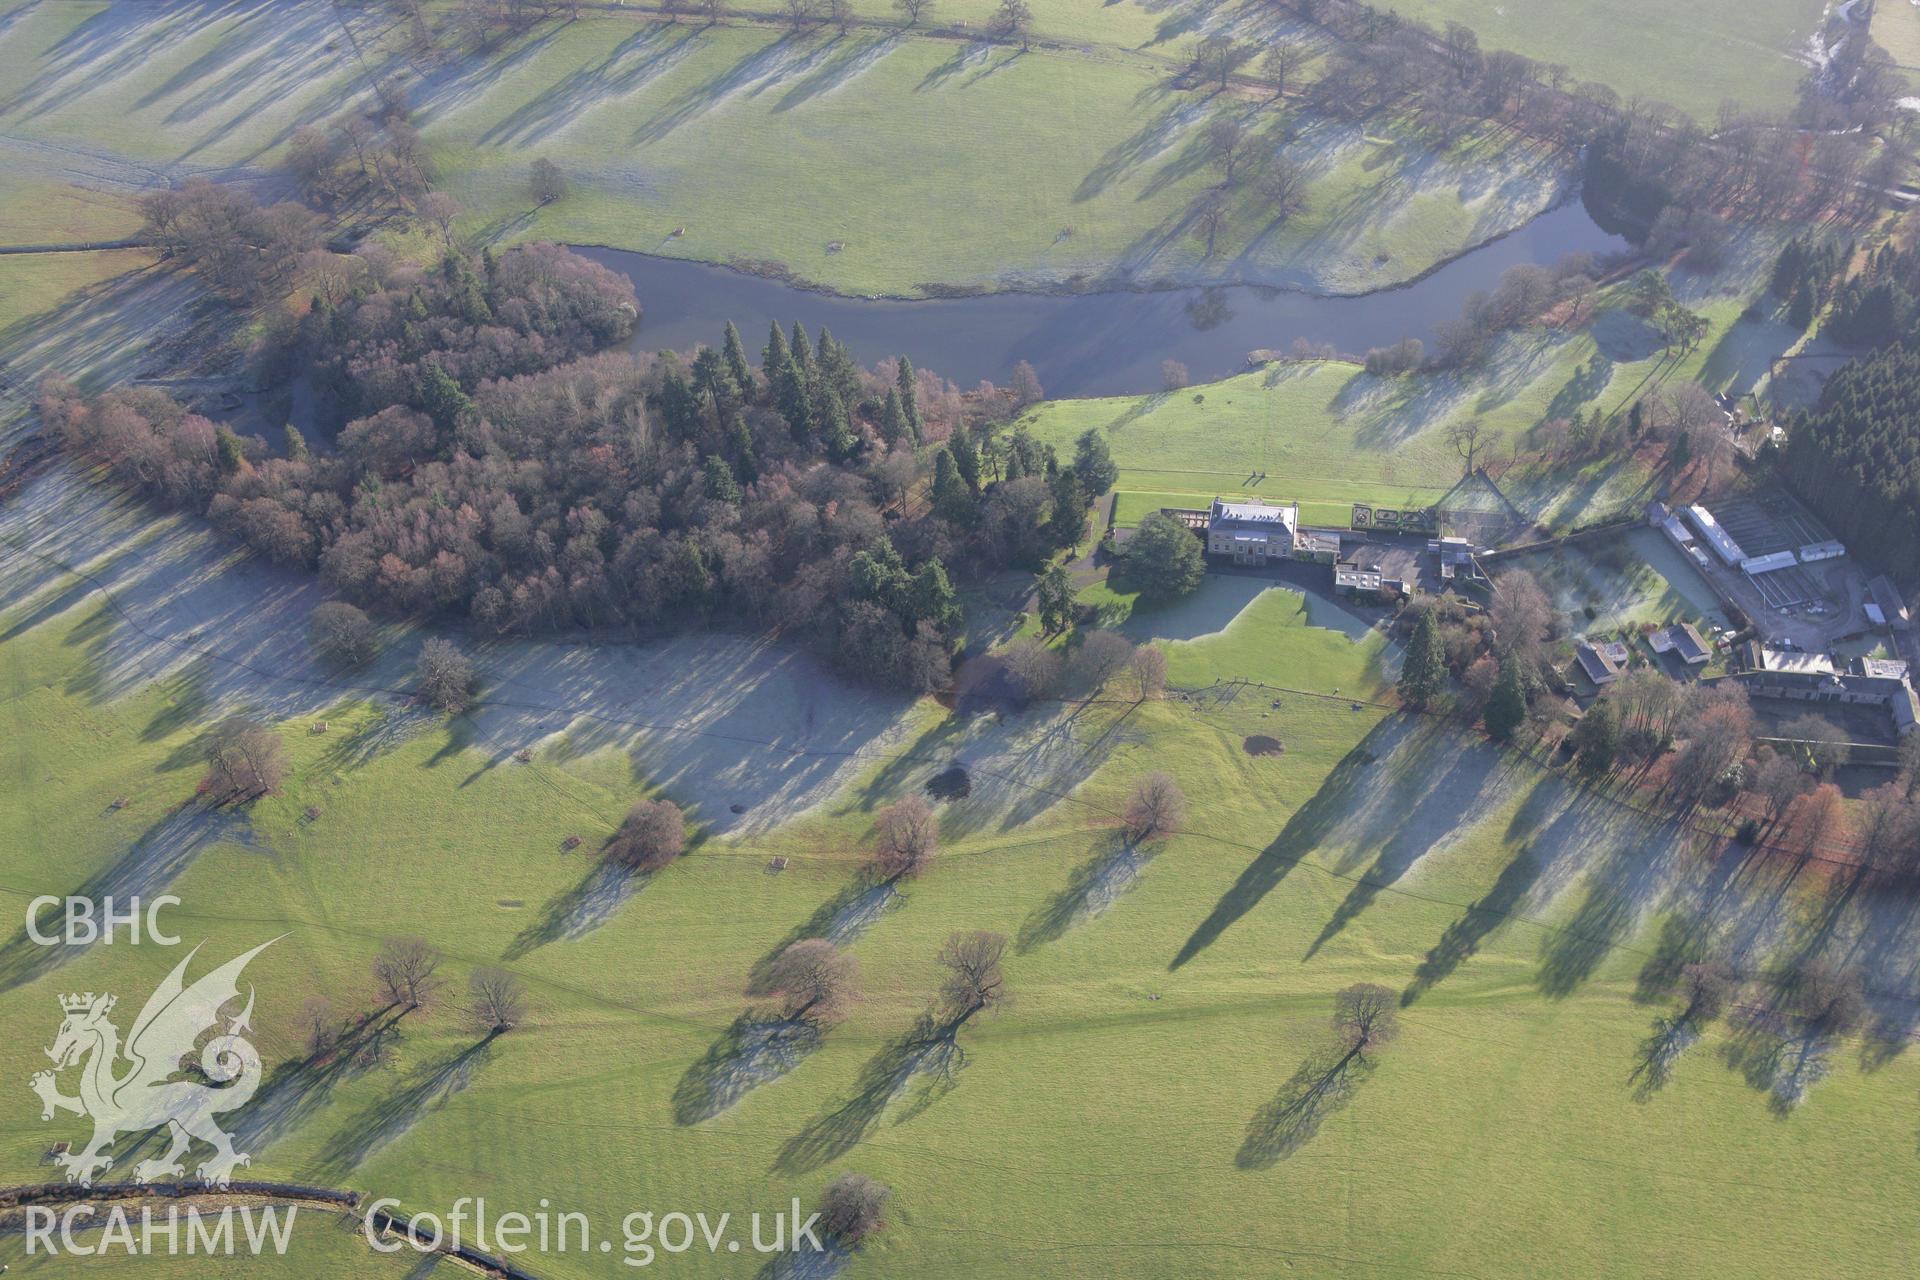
(495, 463)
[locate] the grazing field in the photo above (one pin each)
(1069, 163)
(1693, 56)
(1122, 1107)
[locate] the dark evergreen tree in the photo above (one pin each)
(1053, 599)
(966, 457)
(1068, 522)
(952, 501)
(1423, 673)
(720, 484)
(908, 384)
(1507, 709)
(736, 358)
(774, 356)
(1093, 463)
(893, 419)
(1596, 740)
(1164, 559)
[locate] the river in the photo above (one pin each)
(1087, 344)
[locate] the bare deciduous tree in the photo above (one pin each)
(1278, 64)
(653, 834)
(1283, 184)
(1100, 657)
(1034, 667)
(1013, 20)
(1365, 1016)
(1717, 739)
(407, 972)
(1523, 617)
(974, 982)
(245, 759)
(547, 181)
(1149, 669)
(1226, 142)
(1778, 781)
(1465, 437)
(1210, 219)
(815, 982)
(440, 209)
(913, 10)
(496, 1001)
(341, 634)
(319, 1028)
(1155, 806)
(1217, 57)
(905, 839)
(446, 676)
(853, 1207)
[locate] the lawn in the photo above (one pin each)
(1693, 56)
(1112, 1116)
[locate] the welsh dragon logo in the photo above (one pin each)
(147, 1093)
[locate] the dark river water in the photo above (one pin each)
(1089, 344)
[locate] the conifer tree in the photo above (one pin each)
(952, 501)
(1423, 674)
(736, 357)
(908, 382)
(1507, 709)
(774, 356)
(893, 418)
(1054, 599)
(720, 484)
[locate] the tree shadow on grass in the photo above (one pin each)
(1777, 1058)
(1309, 827)
(1656, 1056)
(1095, 885)
(296, 1091)
(578, 911)
(1441, 813)
(840, 920)
(749, 1053)
(1464, 936)
(389, 1118)
(1618, 890)
(150, 864)
(1324, 1083)
(796, 1263)
(921, 1067)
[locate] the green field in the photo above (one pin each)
(1111, 1118)
(1693, 56)
(1056, 165)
